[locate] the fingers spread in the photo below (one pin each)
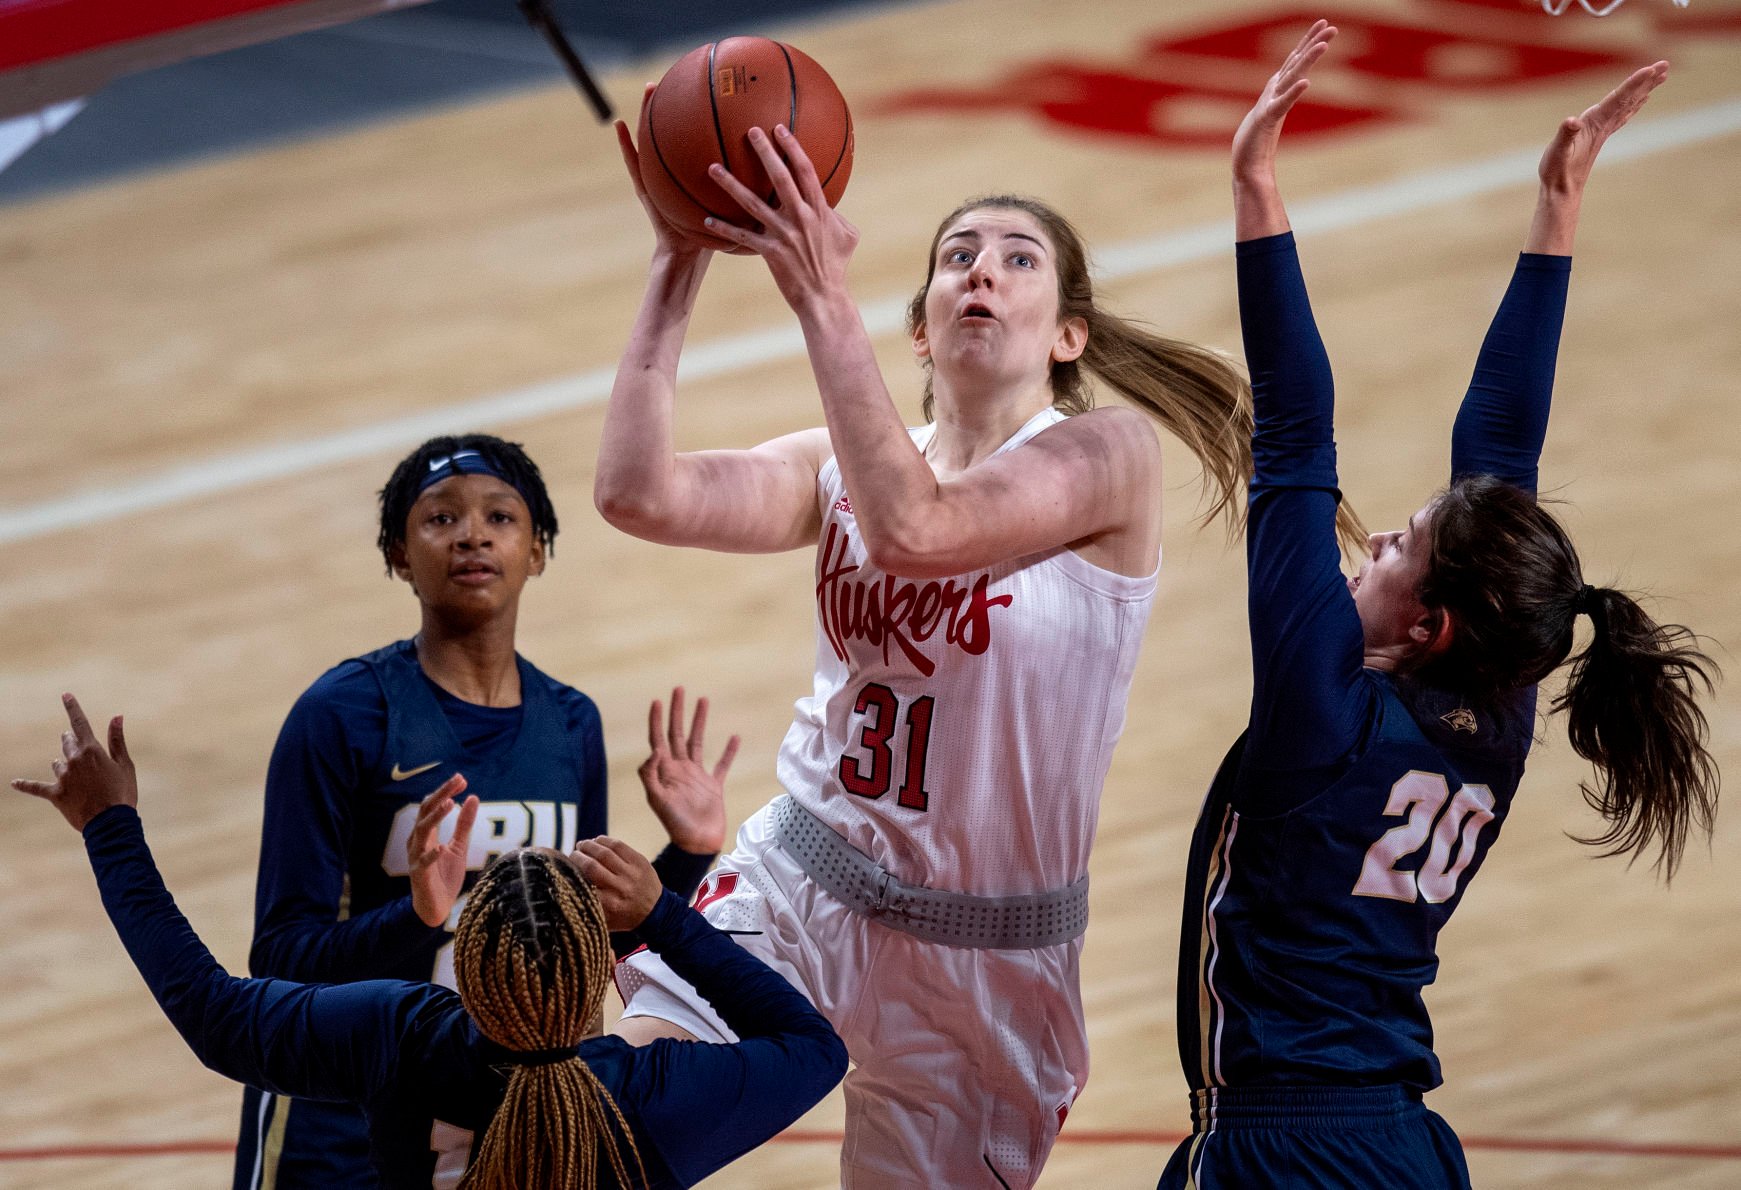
(468, 814)
(655, 726)
(118, 742)
(35, 788)
(748, 199)
(803, 169)
(778, 172)
(76, 716)
(725, 759)
(698, 729)
(675, 736)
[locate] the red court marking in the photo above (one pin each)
(1075, 1136)
(1513, 1144)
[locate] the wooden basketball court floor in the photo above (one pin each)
(265, 329)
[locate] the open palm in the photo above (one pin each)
(1568, 159)
(1254, 145)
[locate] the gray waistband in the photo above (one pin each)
(955, 919)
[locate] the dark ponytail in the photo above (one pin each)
(1505, 573)
(1631, 711)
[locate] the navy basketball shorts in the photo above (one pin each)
(1310, 1138)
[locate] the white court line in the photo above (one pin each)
(1332, 212)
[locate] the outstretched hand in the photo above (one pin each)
(667, 237)
(1254, 145)
(1566, 163)
(87, 779)
(688, 798)
(438, 869)
(805, 242)
(627, 886)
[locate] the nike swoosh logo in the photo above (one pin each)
(400, 774)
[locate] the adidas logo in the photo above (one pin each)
(844, 504)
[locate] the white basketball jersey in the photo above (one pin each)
(960, 729)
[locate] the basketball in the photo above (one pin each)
(702, 111)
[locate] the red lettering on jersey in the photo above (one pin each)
(716, 886)
(899, 612)
(844, 504)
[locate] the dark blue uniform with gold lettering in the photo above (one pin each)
(1342, 828)
(359, 750)
(411, 1056)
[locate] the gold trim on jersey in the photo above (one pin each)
(1207, 998)
(272, 1144)
(1191, 1160)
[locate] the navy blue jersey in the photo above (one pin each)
(1342, 828)
(412, 1057)
(359, 751)
(357, 754)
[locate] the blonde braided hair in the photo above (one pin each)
(532, 957)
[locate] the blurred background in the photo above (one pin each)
(234, 291)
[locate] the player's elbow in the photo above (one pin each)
(628, 507)
(835, 1060)
(910, 549)
(283, 953)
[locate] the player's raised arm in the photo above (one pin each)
(1257, 202)
(1307, 698)
(1567, 161)
(1094, 477)
(1503, 421)
(743, 501)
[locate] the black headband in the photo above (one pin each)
(464, 462)
(542, 1057)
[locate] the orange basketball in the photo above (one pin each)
(702, 111)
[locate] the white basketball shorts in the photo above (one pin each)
(965, 1061)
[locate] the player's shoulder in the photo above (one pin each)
(1121, 420)
(1087, 442)
(346, 692)
(1117, 426)
(576, 704)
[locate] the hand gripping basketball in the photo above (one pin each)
(701, 113)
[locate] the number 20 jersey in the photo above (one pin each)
(960, 729)
(1311, 929)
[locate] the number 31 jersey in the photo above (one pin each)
(960, 729)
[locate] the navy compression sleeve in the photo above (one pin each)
(315, 1042)
(1309, 706)
(1503, 420)
(304, 853)
(721, 1101)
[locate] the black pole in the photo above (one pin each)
(539, 16)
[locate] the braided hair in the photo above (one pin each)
(532, 958)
